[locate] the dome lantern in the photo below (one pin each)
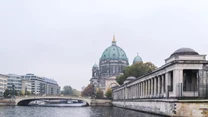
(114, 40)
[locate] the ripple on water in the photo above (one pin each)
(24, 111)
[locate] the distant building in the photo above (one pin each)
(50, 87)
(33, 84)
(3, 83)
(36, 83)
(15, 80)
(26, 86)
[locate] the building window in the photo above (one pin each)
(114, 69)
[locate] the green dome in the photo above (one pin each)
(114, 52)
(95, 66)
(137, 59)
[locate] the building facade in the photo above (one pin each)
(36, 83)
(3, 83)
(51, 87)
(184, 75)
(15, 80)
(111, 64)
(33, 84)
(26, 86)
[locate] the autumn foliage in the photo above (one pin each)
(88, 91)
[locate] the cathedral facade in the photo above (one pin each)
(111, 64)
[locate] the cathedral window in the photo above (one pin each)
(114, 69)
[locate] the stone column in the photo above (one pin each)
(177, 82)
(136, 90)
(203, 82)
(162, 85)
(136, 87)
(158, 79)
(146, 88)
(155, 87)
(150, 87)
(140, 89)
(166, 84)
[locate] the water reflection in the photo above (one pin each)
(18, 111)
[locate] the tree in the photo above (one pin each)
(108, 93)
(88, 91)
(136, 70)
(99, 93)
(27, 93)
(7, 93)
(67, 90)
(76, 92)
(21, 93)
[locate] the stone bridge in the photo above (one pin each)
(24, 101)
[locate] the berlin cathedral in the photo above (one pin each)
(111, 64)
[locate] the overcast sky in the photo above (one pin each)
(62, 39)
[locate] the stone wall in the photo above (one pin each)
(100, 102)
(7, 102)
(156, 107)
(167, 107)
(195, 109)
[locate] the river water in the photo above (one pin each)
(24, 111)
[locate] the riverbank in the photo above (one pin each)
(169, 107)
(7, 102)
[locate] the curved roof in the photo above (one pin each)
(95, 66)
(137, 59)
(131, 78)
(114, 52)
(50, 81)
(185, 51)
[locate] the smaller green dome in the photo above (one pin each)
(95, 66)
(137, 59)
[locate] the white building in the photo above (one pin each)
(42, 85)
(35, 83)
(26, 86)
(3, 83)
(51, 87)
(15, 80)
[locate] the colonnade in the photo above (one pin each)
(176, 83)
(150, 88)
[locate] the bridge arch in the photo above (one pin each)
(25, 101)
